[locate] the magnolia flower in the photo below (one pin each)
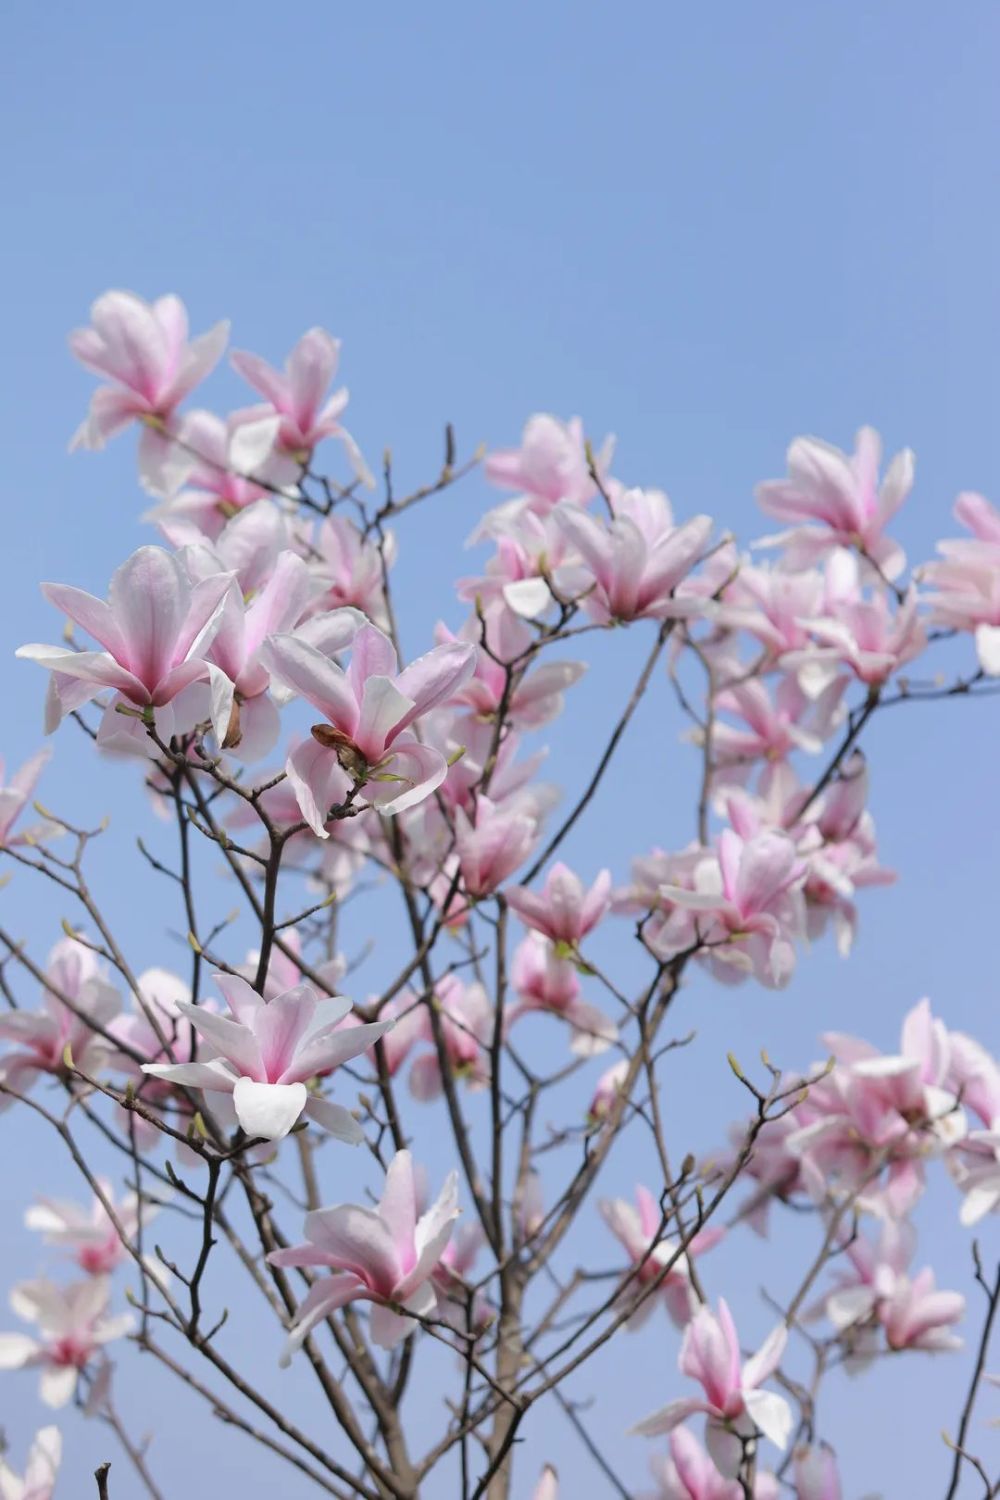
(73, 1324)
(547, 1487)
(530, 699)
(297, 396)
(223, 456)
(493, 843)
(917, 1316)
(89, 1235)
(349, 568)
(44, 1458)
(564, 911)
(267, 1051)
(747, 894)
(639, 1230)
(143, 349)
(368, 708)
(451, 1284)
(546, 982)
(688, 1473)
(551, 463)
(966, 583)
(386, 1256)
(155, 629)
(637, 559)
(815, 1472)
(733, 1400)
(609, 1086)
(976, 1165)
(79, 998)
(14, 797)
(467, 1031)
(842, 494)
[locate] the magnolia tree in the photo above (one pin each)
(402, 809)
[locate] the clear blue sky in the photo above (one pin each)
(706, 228)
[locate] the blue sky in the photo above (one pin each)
(703, 228)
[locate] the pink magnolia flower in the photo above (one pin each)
(636, 560)
(815, 1472)
(639, 1230)
(917, 1316)
(536, 697)
(609, 1086)
(871, 637)
(774, 726)
(155, 630)
(467, 1029)
(88, 1234)
(41, 1471)
(143, 349)
(14, 797)
(547, 1487)
(733, 1399)
(451, 1283)
(564, 911)
(493, 843)
(966, 583)
(73, 1324)
(748, 895)
(386, 1256)
(534, 563)
(80, 995)
(546, 982)
(842, 495)
(368, 708)
(770, 604)
(348, 567)
(265, 1053)
(688, 1473)
(976, 1166)
(297, 395)
(551, 463)
(231, 465)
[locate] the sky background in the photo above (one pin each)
(705, 229)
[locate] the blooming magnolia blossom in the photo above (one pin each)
(143, 349)
(529, 699)
(746, 904)
(546, 982)
(89, 1234)
(223, 456)
(639, 1230)
(966, 583)
(73, 1325)
(564, 911)
(467, 1026)
(350, 569)
(840, 499)
(733, 1399)
(266, 1052)
(41, 1470)
(689, 1473)
(636, 560)
(551, 463)
(297, 396)
(386, 1256)
(368, 708)
(493, 843)
(14, 797)
(155, 629)
(80, 999)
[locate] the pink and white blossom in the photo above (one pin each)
(386, 1255)
(563, 912)
(41, 1470)
(639, 1229)
(73, 1326)
(266, 1051)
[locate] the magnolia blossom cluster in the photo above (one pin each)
(248, 664)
